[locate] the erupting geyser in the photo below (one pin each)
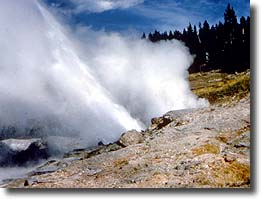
(94, 89)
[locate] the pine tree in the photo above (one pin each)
(177, 35)
(143, 36)
(171, 36)
(231, 38)
(230, 16)
(204, 35)
(150, 37)
(224, 46)
(164, 36)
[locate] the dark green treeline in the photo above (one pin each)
(224, 46)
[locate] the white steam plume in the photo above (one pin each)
(95, 90)
(44, 83)
(148, 79)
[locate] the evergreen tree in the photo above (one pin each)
(171, 36)
(224, 46)
(150, 37)
(230, 16)
(156, 36)
(204, 35)
(244, 44)
(143, 36)
(220, 40)
(230, 34)
(177, 35)
(164, 36)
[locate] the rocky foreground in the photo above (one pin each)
(203, 148)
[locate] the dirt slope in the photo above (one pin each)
(208, 147)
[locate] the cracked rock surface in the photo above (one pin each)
(203, 148)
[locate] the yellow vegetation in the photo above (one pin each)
(226, 174)
(219, 87)
(121, 162)
(206, 149)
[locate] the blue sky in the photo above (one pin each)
(145, 15)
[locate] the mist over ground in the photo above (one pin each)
(82, 83)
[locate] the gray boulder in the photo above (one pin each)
(130, 138)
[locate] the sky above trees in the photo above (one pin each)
(146, 15)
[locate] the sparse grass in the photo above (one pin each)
(226, 137)
(121, 162)
(229, 174)
(220, 87)
(206, 149)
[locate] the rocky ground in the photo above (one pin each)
(203, 148)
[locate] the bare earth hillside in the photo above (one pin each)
(208, 147)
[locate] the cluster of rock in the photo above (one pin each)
(17, 152)
(207, 147)
(30, 151)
